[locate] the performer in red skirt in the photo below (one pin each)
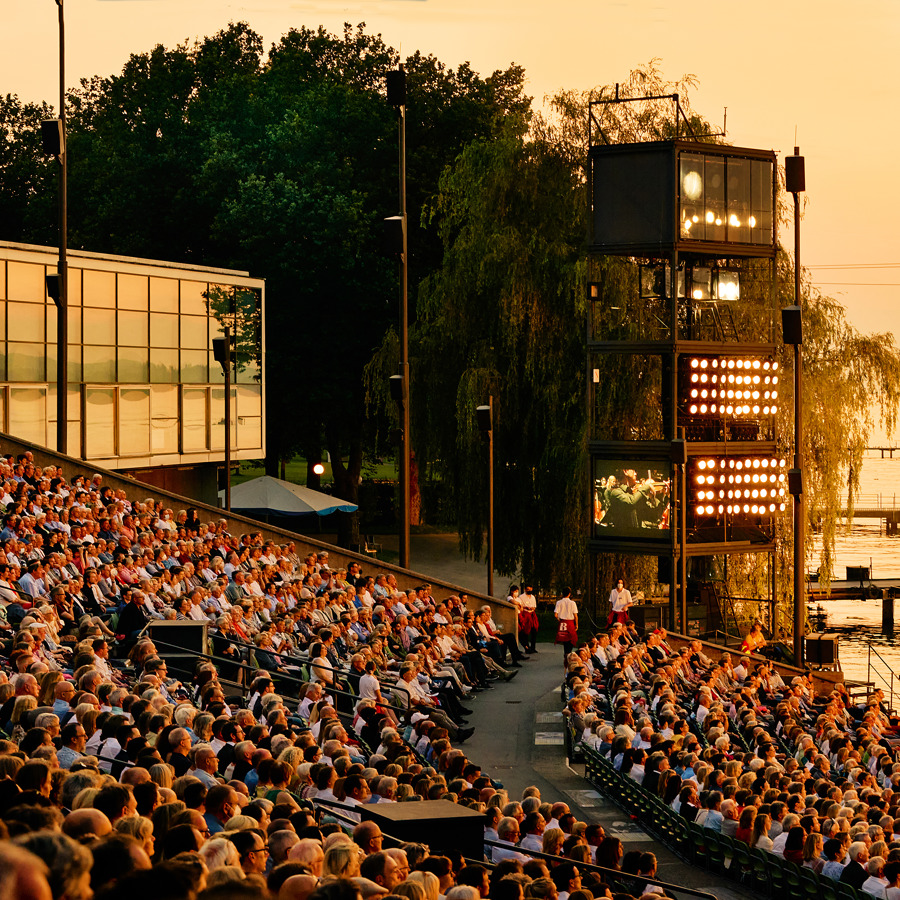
(566, 612)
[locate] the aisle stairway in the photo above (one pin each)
(519, 739)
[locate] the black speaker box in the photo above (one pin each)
(177, 637)
(441, 824)
(664, 570)
(821, 649)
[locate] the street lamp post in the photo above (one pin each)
(396, 94)
(485, 417)
(792, 326)
(53, 133)
(222, 354)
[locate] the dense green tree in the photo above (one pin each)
(27, 180)
(284, 164)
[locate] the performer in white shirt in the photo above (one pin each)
(619, 601)
(566, 612)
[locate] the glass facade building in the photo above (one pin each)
(144, 389)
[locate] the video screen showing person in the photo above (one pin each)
(631, 498)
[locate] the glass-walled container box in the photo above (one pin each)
(685, 195)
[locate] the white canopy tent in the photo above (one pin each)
(272, 496)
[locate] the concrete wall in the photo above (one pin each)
(504, 613)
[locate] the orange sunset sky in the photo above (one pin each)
(827, 69)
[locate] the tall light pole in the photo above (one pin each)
(792, 327)
(53, 133)
(396, 94)
(222, 354)
(484, 415)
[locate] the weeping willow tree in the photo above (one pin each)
(504, 316)
(850, 381)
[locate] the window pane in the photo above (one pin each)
(133, 290)
(761, 202)
(248, 372)
(3, 425)
(217, 419)
(216, 373)
(738, 194)
(26, 322)
(100, 422)
(99, 289)
(74, 364)
(164, 366)
(163, 330)
(249, 432)
(249, 400)
(164, 419)
(2, 281)
(221, 301)
(163, 295)
(74, 287)
(52, 313)
(99, 326)
(28, 414)
(26, 362)
(133, 328)
(74, 418)
(99, 364)
(75, 324)
(25, 281)
(133, 365)
(193, 303)
(194, 366)
(134, 420)
(194, 333)
(193, 418)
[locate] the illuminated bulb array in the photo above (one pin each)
(712, 218)
(739, 486)
(732, 387)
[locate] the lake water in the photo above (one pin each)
(859, 621)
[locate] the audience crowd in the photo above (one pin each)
(327, 689)
(812, 778)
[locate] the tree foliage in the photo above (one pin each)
(504, 315)
(283, 163)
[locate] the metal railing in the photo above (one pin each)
(885, 675)
(177, 654)
(877, 501)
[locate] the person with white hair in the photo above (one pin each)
(508, 834)
(876, 883)
(855, 872)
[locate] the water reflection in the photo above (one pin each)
(858, 622)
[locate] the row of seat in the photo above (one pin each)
(765, 873)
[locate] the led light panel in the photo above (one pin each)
(732, 487)
(729, 387)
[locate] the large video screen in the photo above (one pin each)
(631, 498)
